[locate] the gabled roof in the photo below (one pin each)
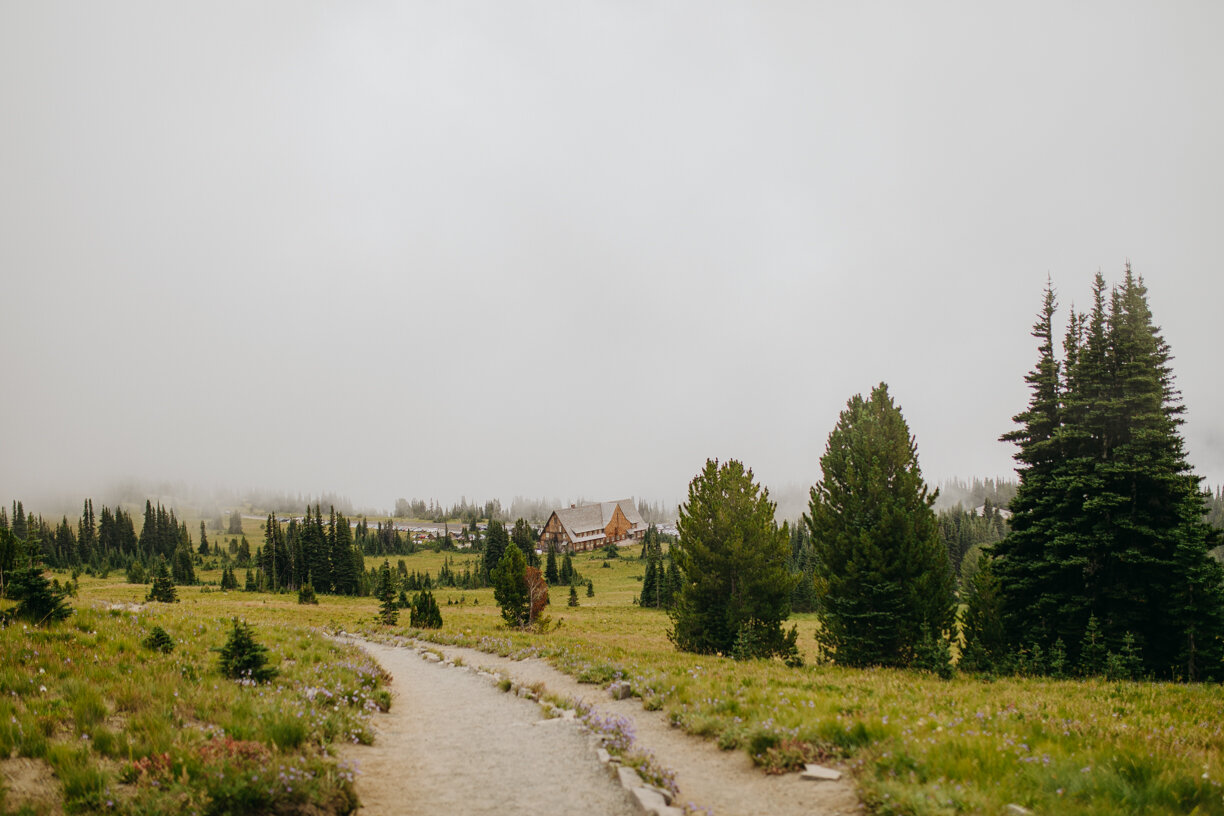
(587, 521)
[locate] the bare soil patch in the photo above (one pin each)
(30, 783)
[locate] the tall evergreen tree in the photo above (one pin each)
(510, 589)
(204, 549)
(551, 575)
(886, 576)
(496, 541)
(345, 574)
(525, 538)
(737, 587)
(388, 612)
(1029, 568)
(1122, 535)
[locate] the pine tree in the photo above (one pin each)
(242, 658)
(163, 590)
(567, 569)
(573, 596)
(496, 541)
(986, 644)
(388, 612)
(1114, 526)
(886, 575)
(551, 575)
(650, 594)
(590, 588)
(510, 591)
(525, 538)
(182, 567)
(733, 556)
(425, 613)
(204, 549)
(1029, 567)
(39, 600)
(344, 572)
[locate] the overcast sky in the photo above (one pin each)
(573, 249)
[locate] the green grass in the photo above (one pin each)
(130, 730)
(914, 744)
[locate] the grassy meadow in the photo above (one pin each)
(914, 743)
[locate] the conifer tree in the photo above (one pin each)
(733, 556)
(496, 541)
(1114, 526)
(551, 575)
(510, 590)
(650, 589)
(388, 612)
(344, 573)
(566, 574)
(204, 550)
(1028, 567)
(425, 612)
(573, 595)
(886, 575)
(985, 642)
(39, 600)
(525, 539)
(242, 658)
(163, 590)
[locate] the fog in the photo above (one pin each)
(485, 249)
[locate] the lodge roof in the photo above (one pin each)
(584, 522)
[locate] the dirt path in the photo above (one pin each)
(723, 782)
(453, 743)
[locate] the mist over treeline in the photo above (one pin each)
(214, 505)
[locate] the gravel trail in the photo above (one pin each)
(454, 744)
(470, 712)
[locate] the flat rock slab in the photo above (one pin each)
(820, 773)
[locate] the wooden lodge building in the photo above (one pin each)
(590, 526)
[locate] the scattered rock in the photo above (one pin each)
(820, 773)
(620, 690)
(629, 778)
(648, 800)
(432, 657)
(666, 794)
(603, 755)
(1018, 810)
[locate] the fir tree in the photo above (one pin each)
(590, 588)
(573, 595)
(182, 568)
(425, 614)
(39, 600)
(242, 658)
(985, 642)
(159, 640)
(567, 569)
(388, 612)
(510, 587)
(496, 541)
(733, 557)
(163, 590)
(887, 579)
(650, 590)
(204, 549)
(551, 575)
(1108, 524)
(525, 538)
(344, 572)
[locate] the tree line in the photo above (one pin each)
(1104, 566)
